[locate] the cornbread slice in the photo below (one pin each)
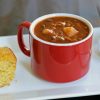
(7, 66)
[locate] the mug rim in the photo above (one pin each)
(36, 21)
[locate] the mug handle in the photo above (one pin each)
(21, 43)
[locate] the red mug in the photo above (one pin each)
(57, 62)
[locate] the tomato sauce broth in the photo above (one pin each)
(61, 30)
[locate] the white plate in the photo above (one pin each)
(27, 86)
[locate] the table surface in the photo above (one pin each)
(37, 88)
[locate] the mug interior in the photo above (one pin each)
(35, 22)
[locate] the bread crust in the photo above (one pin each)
(7, 66)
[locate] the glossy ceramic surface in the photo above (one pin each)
(53, 62)
(27, 86)
(60, 63)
